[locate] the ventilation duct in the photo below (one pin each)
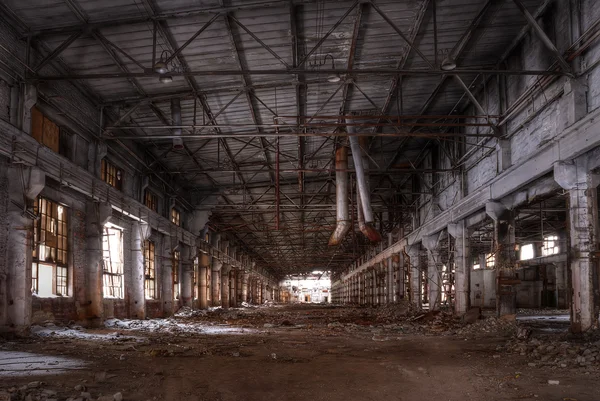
(176, 120)
(363, 194)
(341, 196)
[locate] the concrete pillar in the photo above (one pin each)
(97, 215)
(245, 279)
(216, 282)
(462, 270)
(203, 271)
(390, 273)
(583, 236)
(188, 255)
(17, 230)
(140, 232)
(225, 286)
(166, 256)
(434, 268)
(504, 238)
(263, 292)
(414, 264)
(399, 290)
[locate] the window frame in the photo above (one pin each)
(149, 269)
(150, 200)
(175, 263)
(56, 225)
(117, 266)
(111, 174)
(175, 217)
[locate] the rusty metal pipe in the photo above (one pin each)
(341, 196)
(361, 165)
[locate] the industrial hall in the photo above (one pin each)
(220, 200)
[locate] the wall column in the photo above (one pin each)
(97, 215)
(188, 255)
(462, 268)
(140, 232)
(414, 264)
(166, 256)
(434, 268)
(225, 297)
(583, 235)
(203, 269)
(504, 238)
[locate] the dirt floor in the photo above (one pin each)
(301, 352)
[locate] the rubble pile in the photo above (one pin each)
(490, 325)
(552, 352)
(38, 391)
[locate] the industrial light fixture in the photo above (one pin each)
(448, 62)
(165, 79)
(335, 77)
(161, 66)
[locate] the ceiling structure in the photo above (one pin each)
(262, 86)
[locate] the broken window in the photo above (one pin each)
(112, 258)
(149, 270)
(175, 217)
(50, 265)
(111, 174)
(527, 252)
(476, 263)
(151, 200)
(490, 260)
(550, 246)
(175, 274)
(195, 284)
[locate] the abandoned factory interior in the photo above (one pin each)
(217, 200)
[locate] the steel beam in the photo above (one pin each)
(543, 37)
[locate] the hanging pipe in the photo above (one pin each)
(176, 121)
(341, 196)
(363, 194)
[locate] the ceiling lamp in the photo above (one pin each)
(335, 77)
(448, 63)
(161, 66)
(165, 79)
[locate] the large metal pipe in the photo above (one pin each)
(363, 194)
(341, 195)
(176, 121)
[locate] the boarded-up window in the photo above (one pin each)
(44, 130)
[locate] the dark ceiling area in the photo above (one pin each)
(266, 90)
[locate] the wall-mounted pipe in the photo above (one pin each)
(363, 194)
(341, 196)
(176, 121)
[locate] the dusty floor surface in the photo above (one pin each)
(292, 353)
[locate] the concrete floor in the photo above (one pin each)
(309, 354)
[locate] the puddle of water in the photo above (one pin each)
(24, 364)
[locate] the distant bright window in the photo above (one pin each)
(476, 265)
(527, 252)
(149, 270)
(175, 217)
(111, 174)
(490, 260)
(550, 245)
(196, 268)
(112, 248)
(175, 274)
(49, 268)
